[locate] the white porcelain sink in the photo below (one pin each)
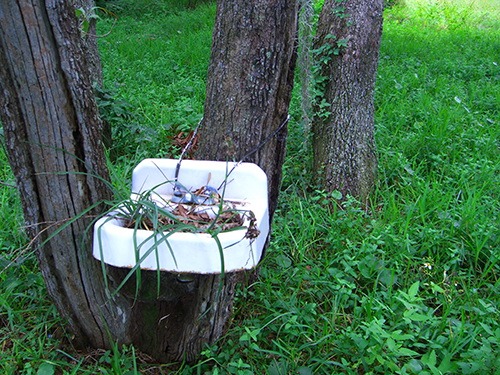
(245, 189)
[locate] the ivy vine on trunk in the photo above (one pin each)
(346, 52)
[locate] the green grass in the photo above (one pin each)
(157, 62)
(408, 286)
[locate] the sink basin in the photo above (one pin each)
(244, 189)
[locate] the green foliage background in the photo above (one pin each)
(407, 286)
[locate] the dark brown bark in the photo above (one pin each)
(249, 85)
(175, 325)
(53, 133)
(345, 156)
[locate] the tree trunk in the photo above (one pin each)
(91, 51)
(347, 49)
(249, 85)
(89, 40)
(52, 135)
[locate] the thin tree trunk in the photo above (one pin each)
(345, 155)
(91, 52)
(89, 40)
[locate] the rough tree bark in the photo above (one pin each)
(345, 155)
(249, 85)
(52, 135)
